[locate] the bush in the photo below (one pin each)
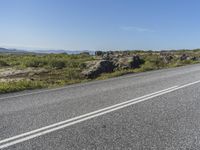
(82, 65)
(98, 53)
(20, 85)
(3, 64)
(147, 66)
(58, 64)
(34, 63)
(73, 74)
(155, 61)
(85, 53)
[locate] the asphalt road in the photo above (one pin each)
(154, 110)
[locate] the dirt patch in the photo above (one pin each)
(15, 75)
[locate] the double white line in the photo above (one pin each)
(60, 125)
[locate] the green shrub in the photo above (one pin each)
(147, 66)
(82, 65)
(34, 63)
(72, 74)
(155, 62)
(58, 64)
(3, 64)
(20, 85)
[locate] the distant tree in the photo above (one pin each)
(98, 53)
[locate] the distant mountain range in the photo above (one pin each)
(5, 50)
(17, 51)
(62, 51)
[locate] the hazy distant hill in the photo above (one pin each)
(63, 51)
(12, 51)
(17, 51)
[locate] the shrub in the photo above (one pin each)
(20, 85)
(155, 61)
(34, 63)
(58, 64)
(85, 53)
(82, 65)
(98, 53)
(73, 74)
(147, 66)
(3, 63)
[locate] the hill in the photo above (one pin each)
(12, 51)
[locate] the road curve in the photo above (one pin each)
(151, 110)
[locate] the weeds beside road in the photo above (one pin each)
(33, 71)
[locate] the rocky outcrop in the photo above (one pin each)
(183, 57)
(128, 62)
(109, 62)
(187, 57)
(167, 58)
(195, 58)
(98, 67)
(136, 61)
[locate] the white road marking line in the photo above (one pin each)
(77, 121)
(85, 115)
(115, 107)
(60, 125)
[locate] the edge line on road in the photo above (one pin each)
(60, 125)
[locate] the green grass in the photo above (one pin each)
(6, 87)
(64, 69)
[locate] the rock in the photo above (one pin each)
(183, 57)
(136, 62)
(109, 62)
(128, 62)
(106, 56)
(186, 57)
(167, 58)
(101, 66)
(123, 63)
(194, 58)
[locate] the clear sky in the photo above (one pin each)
(100, 24)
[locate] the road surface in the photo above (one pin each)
(158, 110)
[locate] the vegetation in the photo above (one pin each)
(33, 71)
(20, 85)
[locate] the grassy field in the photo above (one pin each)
(64, 69)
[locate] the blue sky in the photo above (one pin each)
(100, 24)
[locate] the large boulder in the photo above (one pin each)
(167, 58)
(128, 62)
(136, 62)
(98, 67)
(186, 57)
(194, 58)
(106, 56)
(183, 57)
